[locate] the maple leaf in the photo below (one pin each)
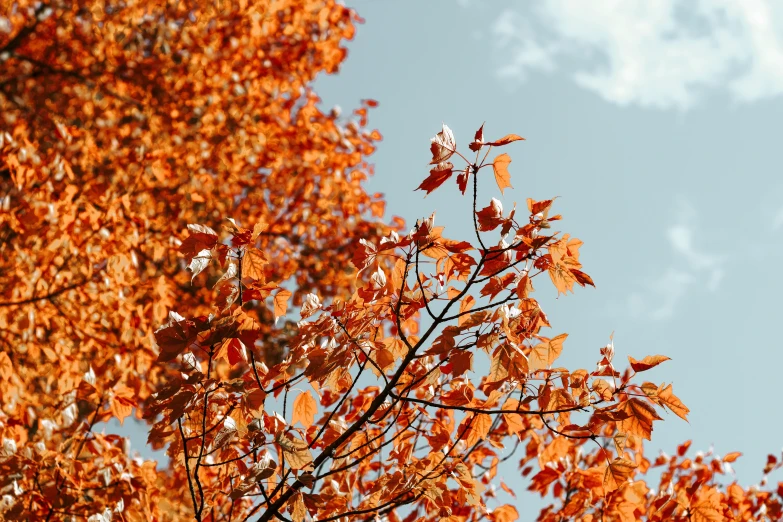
(707, 507)
(281, 302)
(478, 140)
(491, 216)
(465, 305)
(231, 350)
(226, 433)
(438, 175)
(500, 167)
(298, 510)
(640, 418)
(230, 273)
(650, 361)
(259, 228)
(122, 402)
(617, 473)
(305, 409)
(505, 140)
(295, 451)
(542, 355)
(310, 305)
(462, 179)
(201, 238)
(199, 262)
(175, 336)
(443, 145)
(672, 402)
(253, 263)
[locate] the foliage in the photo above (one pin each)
(171, 190)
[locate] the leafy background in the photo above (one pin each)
(658, 126)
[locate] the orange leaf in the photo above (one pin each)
(505, 140)
(617, 473)
(122, 402)
(465, 305)
(305, 409)
(297, 509)
(295, 451)
(502, 177)
(507, 489)
(731, 457)
(253, 263)
(651, 361)
(640, 418)
(707, 507)
(544, 354)
(281, 302)
(479, 428)
(6, 367)
(671, 401)
(507, 513)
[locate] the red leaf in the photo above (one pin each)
(478, 140)
(462, 179)
(437, 177)
(491, 216)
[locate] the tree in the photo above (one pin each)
(171, 191)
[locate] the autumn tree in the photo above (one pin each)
(122, 122)
(185, 237)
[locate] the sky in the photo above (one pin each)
(658, 126)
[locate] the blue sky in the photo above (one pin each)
(659, 126)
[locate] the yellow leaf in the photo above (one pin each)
(305, 409)
(502, 177)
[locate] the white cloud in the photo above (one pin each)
(661, 54)
(690, 269)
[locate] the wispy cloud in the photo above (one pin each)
(659, 54)
(690, 269)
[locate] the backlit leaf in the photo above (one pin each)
(305, 409)
(253, 263)
(281, 302)
(500, 167)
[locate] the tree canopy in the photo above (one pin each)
(186, 237)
